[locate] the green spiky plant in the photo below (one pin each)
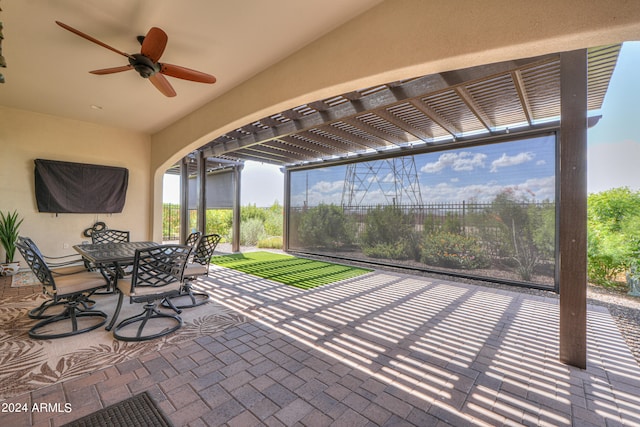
(9, 226)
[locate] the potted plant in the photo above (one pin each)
(9, 226)
(633, 278)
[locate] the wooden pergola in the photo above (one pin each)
(443, 108)
(555, 92)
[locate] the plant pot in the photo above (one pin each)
(11, 268)
(633, 281)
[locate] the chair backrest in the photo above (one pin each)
(206, 246)
(192, 238)
(28, 241)
(34, 259)
(109, 236)
(159, 266)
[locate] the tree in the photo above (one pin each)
(527, 227)
(613, 224)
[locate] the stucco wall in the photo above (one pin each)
(395, 40)
(25, 136)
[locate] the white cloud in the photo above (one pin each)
(539, 188)
(390, 178)
(464, 161)
(535, 188)
(445, 192)
(541, 162)
(506, 161)
(327, 187)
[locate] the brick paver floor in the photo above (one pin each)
(381, 349)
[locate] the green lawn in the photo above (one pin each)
(289, 270)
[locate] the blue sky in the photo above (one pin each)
(614, 143)
(468, 174)
(613, 153)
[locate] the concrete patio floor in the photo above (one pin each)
(381, 349)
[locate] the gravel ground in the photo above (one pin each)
(624, 309)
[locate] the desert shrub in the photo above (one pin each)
(251, 211)
(251, 231)
(325, 226)
(430, 224)
(273, 242)
(452, 223)
(219, 221)
(389, 233)
(452, 250)
(273, 224)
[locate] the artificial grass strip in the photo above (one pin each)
(290, 270)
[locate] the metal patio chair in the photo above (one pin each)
(59, 266)
(157, 275)
(192, 238)
(197, 266)
(73, 290)
(112, 236)
(109, 236)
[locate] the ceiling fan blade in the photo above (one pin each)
(88, 37)
(162, 84)
(112, 70)
(186, 73)
(154, 43)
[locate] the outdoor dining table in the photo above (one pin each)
(111, 255)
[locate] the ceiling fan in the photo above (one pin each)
(146, 62)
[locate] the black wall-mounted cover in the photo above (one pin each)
(65, 187)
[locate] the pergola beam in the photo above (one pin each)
(475, 109)
(518, 82)
(349, 108)
(436, 118)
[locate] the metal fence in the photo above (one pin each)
(170, 222)
(437, 213)
(505, 240)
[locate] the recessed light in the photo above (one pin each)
(96, 107)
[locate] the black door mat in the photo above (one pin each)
(139, 410)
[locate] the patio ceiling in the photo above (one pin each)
(430, 110)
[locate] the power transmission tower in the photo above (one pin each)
(393, 180)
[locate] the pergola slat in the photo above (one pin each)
(426, 108)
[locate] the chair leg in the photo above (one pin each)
(116, 313)
(170, 304)
(187, 298)
(74, 310)
(110, 289)
(150, 312)
(38, 312)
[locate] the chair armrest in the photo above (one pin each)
(61, 257)
(68, 270)
(65, 260)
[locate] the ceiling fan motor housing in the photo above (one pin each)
(143, 65)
